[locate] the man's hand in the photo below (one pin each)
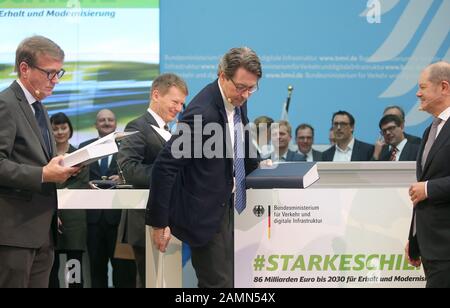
(379, 144)
(415, 263)
(266, 164)
(161, 238)
(417, 193)
(54, 172)
(114, 178)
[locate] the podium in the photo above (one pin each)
(162, 270)
(347, 230)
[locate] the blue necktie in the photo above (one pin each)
(42, 122)
(104, 166)
(239, 163)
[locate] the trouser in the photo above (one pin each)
(214, 263)
(437, 273)
(102, 239)
(139, 254)
(72, 255)
(26, 267)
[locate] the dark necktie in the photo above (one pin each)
(104, 166)
(431, 138)
(393, 154)
(42, 122)
(166, 127)
(239, 163)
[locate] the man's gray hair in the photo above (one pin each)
(439, 71)
(236, 58)
(33, 47)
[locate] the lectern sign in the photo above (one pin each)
(324, 238)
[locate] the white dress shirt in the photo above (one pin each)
(30, 98)
(344, 155)
(400, 147)
(157, 118)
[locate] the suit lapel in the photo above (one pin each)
(442, 138)
(223, 115)
(419, 172)
(151, 121)
(26, 109)
(355, 151)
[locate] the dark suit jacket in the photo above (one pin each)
(409, 152)
(27, 207)
(413, 139)
(294, 156)
(361, 152)
(317, 156)
(191, 194)
(432, 240)
(93, 216)
(136, 156)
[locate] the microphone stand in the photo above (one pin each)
(288, 101)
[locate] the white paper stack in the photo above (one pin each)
(96, 150)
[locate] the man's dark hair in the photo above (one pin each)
(344, 113)
(390, 118)
(33, 47)
(304, 126)
(398, 108)
(236, 58)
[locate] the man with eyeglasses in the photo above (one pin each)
(396, 147)
(347, 148)
(195, 197)
(399, 112)
(304, 135)
(28, 168)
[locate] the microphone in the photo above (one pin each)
(429, 102)
(288, 101)
(37, 92)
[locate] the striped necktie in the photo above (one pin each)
(239, 163)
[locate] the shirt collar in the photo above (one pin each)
(228, 107)
(349, 147)
(157, 118)
(401, 145)
(30, 98)
(445, 115)
(307, 155)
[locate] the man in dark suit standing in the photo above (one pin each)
(138, 153)
(347, 148)
(429, 238)
(395, 146)
(304, 135)
(200, 182)
(103, 224)
(28, 200)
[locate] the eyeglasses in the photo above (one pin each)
(241, 88)
(51, 75)
(305, 138)
(341, 124)
(387, 130)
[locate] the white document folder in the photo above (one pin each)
(96, 150)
